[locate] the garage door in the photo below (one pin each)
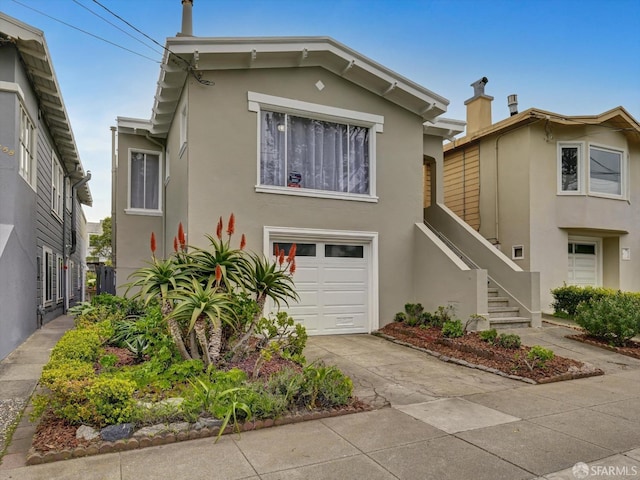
(583, 264)
(332, 280)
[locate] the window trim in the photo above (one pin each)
(581, 167)
(144, 211)
(47, 275)
(30, 176)
(259, 101)
(514, 250)
(70, 277)
(623, 172)
(59, 277)
(57, 186)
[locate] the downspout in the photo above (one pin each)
(74, 236)
(63, 283)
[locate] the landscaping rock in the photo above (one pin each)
(85, 432)
(160, 428)
(207, 422)
(117, 432)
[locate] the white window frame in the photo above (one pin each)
(59, 276)
(27, 161)
(581, 167)
(57, 185)
(514, 254)
(623, 171)
(259, 101)
(144, 211)
(47, 275)
(70, 276)
(69, 200)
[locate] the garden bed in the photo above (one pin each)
(630, 349)
(471, 351)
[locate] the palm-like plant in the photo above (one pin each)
(203, 309)
(157, 280)
(232, 262)
(268, 279)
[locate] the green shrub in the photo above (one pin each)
(57, 370)
(324, 386)
(78, 344)
(452, 329)
(111, 401)
(289, 336)
(509, 340)
(488, 336)
(615, 318)
(400, 317)
(567, 298)
(540, 355)
(442, 315)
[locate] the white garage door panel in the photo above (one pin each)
(334, 292)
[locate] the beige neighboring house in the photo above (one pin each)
(557, 194)
(305, 141)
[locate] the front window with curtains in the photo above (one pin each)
(298, 152)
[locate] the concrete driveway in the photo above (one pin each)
(435, 421)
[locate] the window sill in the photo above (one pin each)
(608, 196)
(305, 192)
(137, 211)
(56, 216)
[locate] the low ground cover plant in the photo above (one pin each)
(193, 341)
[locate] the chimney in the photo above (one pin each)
(187, 19)
(478, 107)
(512, 101)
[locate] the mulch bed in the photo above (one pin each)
(631, 348)
(472, 351)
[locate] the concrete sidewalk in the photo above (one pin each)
(436, 421)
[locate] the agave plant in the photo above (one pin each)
(203, 309)
(268, 279)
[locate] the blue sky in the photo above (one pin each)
(577, 57)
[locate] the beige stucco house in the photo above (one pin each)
(305, 141)
(557, 194)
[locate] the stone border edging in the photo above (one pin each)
(588, 341)
(36, 458)
(495, 371)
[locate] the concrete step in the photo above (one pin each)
(498, 302)
(509, 322)
(499, 312)
(492, 292)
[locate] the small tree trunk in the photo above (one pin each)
(193, 345)
(240, 347)
(200, 329)
(215, 341)
(176, 335)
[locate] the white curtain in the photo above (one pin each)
(317, 154)
(145, 181)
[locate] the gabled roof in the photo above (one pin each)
(617, 118)
(198, 54)
(33, 49)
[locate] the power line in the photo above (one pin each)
(85, 32)
(115, 26)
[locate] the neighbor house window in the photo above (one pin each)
(144, 181)
(27, 148)
(59, 277)
(570, 168)
(57, 181)
(315, 150)
(70, 279)
(605, 171)
(47, 275)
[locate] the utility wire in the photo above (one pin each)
(189, 67)
(116, 26)
(85, 32)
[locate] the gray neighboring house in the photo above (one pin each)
(42, 188)
(307, 141)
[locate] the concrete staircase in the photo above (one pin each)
(501, 314)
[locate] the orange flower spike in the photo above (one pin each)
(243, 242)
(281, 257)
(232, 225)
(153, 243)
(292, 254)
(175, 244)
(219, 229)
(292, 267)
(277, 251)
(181, 237)
(218, 274)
